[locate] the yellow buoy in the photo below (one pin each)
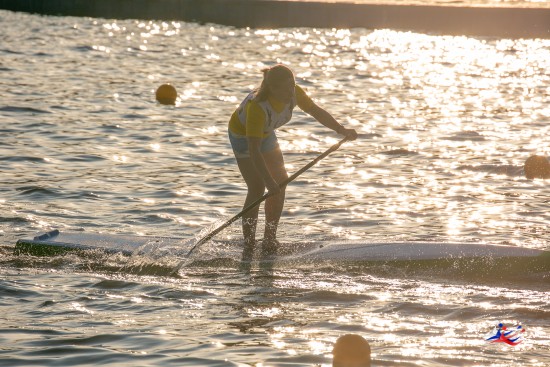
(166, 94)
(351, 350)
(537, 166)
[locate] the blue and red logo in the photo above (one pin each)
(502, 334)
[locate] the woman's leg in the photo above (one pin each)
(256, 189)
(274, 204)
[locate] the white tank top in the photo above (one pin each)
(273, 119)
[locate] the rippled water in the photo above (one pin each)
(85, 147)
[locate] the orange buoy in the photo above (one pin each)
(166, 94)
(351, 350)
(537, 166)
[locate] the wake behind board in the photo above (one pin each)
(56, 242)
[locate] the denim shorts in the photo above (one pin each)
(239, 144)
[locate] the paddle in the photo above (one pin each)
(265, 196)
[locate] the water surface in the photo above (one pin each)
(445, 123)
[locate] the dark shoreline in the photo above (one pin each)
(501, 22)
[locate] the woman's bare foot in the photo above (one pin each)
(270, 247)
(248, 250)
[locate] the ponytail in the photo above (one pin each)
(262, 92)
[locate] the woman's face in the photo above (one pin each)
(282, 90)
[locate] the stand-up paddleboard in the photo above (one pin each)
(56, 242)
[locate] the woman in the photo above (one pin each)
(252, 136)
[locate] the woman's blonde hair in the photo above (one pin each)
(272, 75)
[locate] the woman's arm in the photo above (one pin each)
(325, 118)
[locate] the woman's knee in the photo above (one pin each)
(283, 176)
(276, 165)
(256, 189)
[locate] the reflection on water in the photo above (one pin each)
(85, 147)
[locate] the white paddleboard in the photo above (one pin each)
(403, 251)
(56, 242)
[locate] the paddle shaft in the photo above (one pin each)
(265, 196)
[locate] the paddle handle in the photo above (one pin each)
(266, 195)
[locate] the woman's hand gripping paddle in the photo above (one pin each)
(260, 200)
